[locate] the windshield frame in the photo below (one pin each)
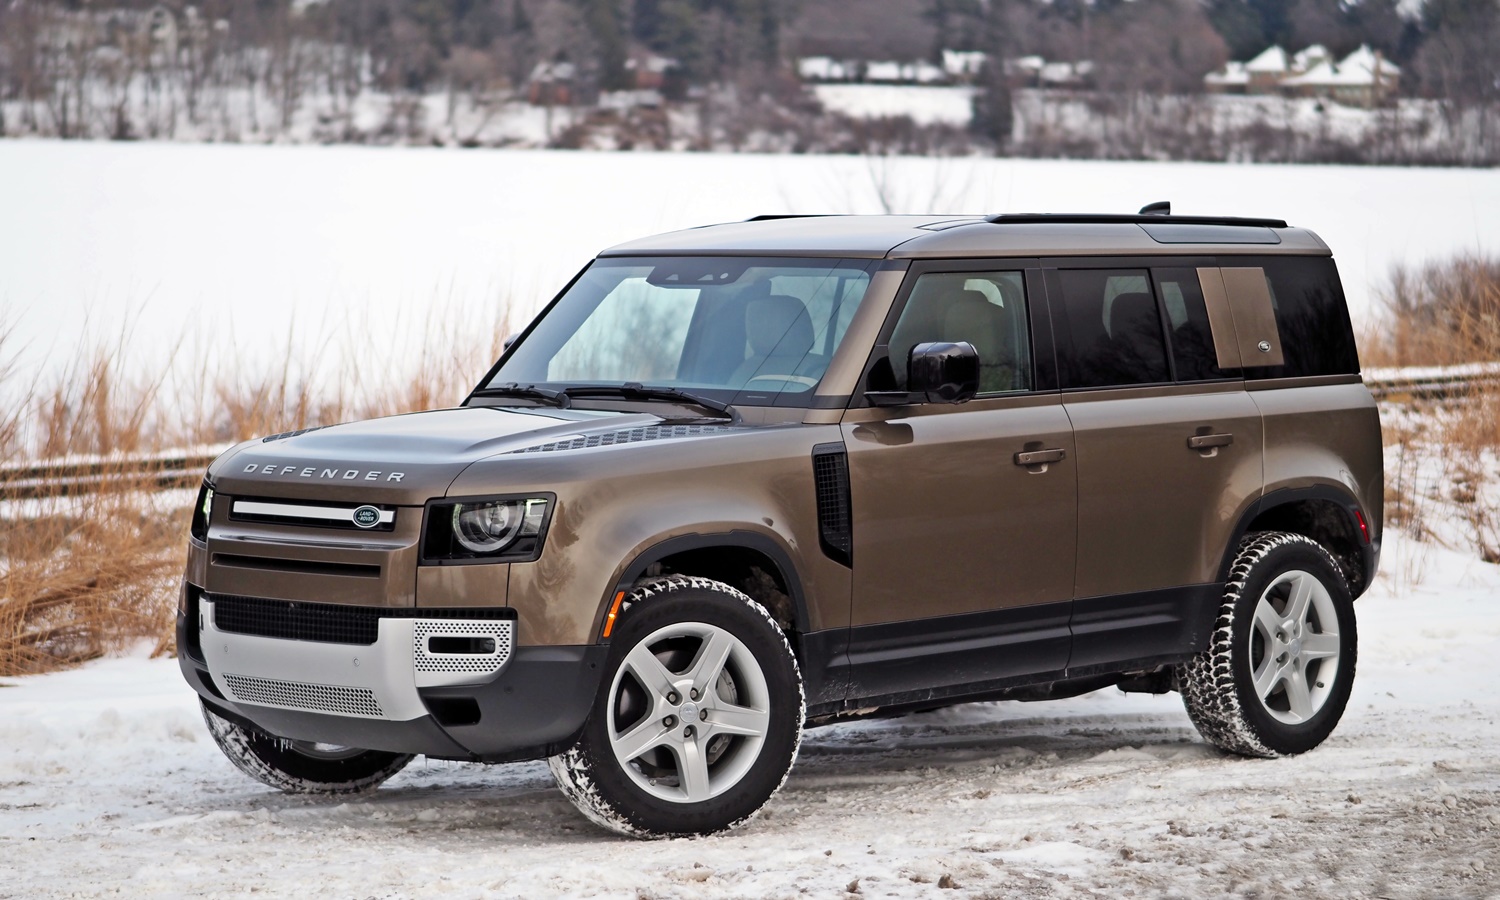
(848, 307)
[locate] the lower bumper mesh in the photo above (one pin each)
(324, 698)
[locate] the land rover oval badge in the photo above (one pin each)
(367, 517)
(1264, 346)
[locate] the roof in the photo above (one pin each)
(1358, 69)
(915, 237)
(1232, 73)
(1271, 59)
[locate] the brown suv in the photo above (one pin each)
(743, 479)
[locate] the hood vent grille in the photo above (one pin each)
(632, 436)
(290, 434)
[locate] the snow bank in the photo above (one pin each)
(109, 783)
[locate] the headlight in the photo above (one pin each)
(202, 511)
(506, 529)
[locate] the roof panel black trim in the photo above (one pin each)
(1124, 219)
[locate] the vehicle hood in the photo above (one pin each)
(401, 460)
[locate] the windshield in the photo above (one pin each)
(742, 330)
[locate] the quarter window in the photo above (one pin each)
(1193, 353)
(986, 309)
(1111, 332)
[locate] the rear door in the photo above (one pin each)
(964, 549)
(1169, 454)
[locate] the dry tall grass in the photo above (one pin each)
(86, 573)
(1444, 313)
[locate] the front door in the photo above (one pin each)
(964, 515)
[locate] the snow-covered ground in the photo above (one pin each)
(353, 246)
(109, 784)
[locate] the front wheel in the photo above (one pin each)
(302, 767)
(698, 719)
(1278, 674)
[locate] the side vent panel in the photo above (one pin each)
(835, 519)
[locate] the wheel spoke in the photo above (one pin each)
(1266, 676)
(645, 735)
(1320, 646)
(692, 770)
(1297, 696)
(1268, 619)
(739, 720)
(653, 675)
(710, 662)
(1297, 606)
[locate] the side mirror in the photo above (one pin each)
(945, 372)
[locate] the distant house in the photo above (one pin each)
(963, 66)
(649, 71)
(1232, 79)
(552, 84)
(1265, 72)
(1363, 78)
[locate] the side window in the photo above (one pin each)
(1111, 334)
(1188, 330)
(987, 309)
(1308, 300)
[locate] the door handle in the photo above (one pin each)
(1040, 457)
(1210, 441)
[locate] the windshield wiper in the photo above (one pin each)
(636, 391)
(528, 391)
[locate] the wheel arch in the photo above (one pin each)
(1327, 514)
(751, 562)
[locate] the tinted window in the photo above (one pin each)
(987, 309)
(1193, 354)
(1110, 333)
(1316, 337)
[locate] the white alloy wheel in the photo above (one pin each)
(1294, 647)
(702, 727)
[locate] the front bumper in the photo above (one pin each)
(497, 704)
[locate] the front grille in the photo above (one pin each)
(330, 623)
(831, 480)
(326, 698)
(325, 622)
(310, 513)
(632, 436)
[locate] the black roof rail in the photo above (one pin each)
(1125, 219)
(774, 216)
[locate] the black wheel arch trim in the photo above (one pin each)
(1344, 499)
(744, 540)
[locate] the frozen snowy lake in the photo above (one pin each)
(110, 784)
(241, 244)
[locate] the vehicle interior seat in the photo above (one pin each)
(780, 334)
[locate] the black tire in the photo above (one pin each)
(300, 768)
(1303, 688)
(659, 793)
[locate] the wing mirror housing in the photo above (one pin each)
(936, 372)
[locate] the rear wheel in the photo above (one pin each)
(698, 719)
(1278, 674)
(302, 767)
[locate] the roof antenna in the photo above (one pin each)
(1159, 208)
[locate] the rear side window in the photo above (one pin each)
(1192, 339)
(1311, 316)
(1111, 332)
